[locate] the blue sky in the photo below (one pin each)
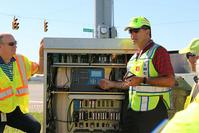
(174, 22)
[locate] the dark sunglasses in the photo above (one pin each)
(195, 78)
(188, 55)
(12, 43)
(134, 30)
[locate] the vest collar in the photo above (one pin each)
(11, 60)
(148, 45)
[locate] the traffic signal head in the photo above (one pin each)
(45, 26)
(15, 24)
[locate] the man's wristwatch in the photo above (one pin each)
(144, 80)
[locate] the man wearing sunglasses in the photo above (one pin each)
(149, 87)
(187, 120)
(15, 70)
(192, 60)
(192, 55)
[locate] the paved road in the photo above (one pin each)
(36, 96)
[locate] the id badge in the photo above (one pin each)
(3, 117)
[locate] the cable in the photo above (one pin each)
(67, 80)
(50, 118)
(62, 121)
(69, 117)
(42, 18)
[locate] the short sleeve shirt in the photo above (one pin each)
(161, 60)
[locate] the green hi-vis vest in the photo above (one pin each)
(15, 93)
(185, 121)
(145, 98)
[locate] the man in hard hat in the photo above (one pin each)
(187, 120)
(149, 78)
(192, 56)
(191, 53)
(15, 70)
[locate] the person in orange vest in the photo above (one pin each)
(149, 79)
(15, 70)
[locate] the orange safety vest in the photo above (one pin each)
(15, 93)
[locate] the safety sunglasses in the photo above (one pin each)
(195, 78)
(136, 30)
(12, 43)
(188, 55)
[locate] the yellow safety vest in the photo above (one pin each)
(185, 121)
(145, 98)
(15, 93)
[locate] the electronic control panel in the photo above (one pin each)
(74, 101)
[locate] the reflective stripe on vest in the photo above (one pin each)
(150, 89)
(24, 89)
(6, 93)
(144, 103)
(146, 62)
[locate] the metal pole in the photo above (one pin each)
(103, 18)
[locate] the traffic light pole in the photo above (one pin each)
(104, 22)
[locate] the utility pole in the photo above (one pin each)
(104, 19)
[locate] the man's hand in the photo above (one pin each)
(133, 81)
(106, 84)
